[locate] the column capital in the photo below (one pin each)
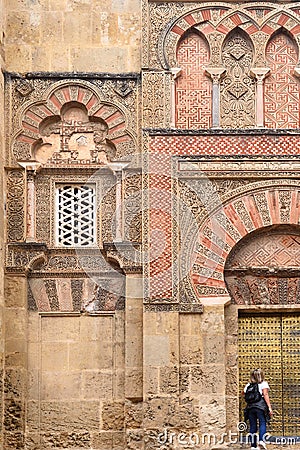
(30, 166)
(297, 71)
(117, 167)
(260, 73)
(175, 71)
(215, 73)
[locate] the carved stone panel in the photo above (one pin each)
(75, 294)
(15, 205)
(237, 87)
(156, 112)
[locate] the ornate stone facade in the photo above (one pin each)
(147, 214)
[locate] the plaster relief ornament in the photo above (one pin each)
(73, 137)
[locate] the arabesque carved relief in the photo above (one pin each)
(15, 205)
(237, 86)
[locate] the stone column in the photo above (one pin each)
(260, 73)
(31, 169)
(175, 73)
(215, 74)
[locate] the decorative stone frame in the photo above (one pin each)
(170, 22)
(50, 103)
(211, 19)
(269, 202)
(46, 212)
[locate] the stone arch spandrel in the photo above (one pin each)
(226, 226)
(32, 114)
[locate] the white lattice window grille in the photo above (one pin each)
(75, 215)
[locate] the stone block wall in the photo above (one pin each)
(66, 36)
(75, 381)
(16, 360)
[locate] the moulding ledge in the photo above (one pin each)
(36, 259)
(195, 308)
(238, 157)
(75, 313)
(222, 132)
(71, 75)
(291, 272)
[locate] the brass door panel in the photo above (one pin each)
(272, 342)
(291, 374)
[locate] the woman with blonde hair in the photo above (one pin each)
(258, 407)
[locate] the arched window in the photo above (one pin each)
(193, 87)
(282, 87)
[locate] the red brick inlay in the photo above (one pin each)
(190, 19)
(226, 145)
(206, 14)
(222, 29)
(252, 29)
(55, 101)
(283, 19)
(193, 87)
(160, 235)
(267, 29)
(236, 19)
(282, 89)
(176, 29)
